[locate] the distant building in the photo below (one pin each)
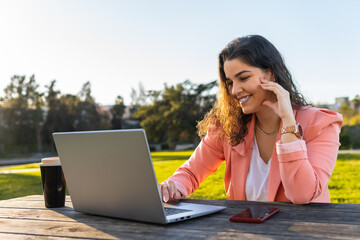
(105, 111)
(127, 120)
(339, 101)
(355, 104)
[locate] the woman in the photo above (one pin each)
(276, 147)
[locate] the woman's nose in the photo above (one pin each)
(236, 89)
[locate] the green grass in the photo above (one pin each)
(20, 184)
(166, 156)
(344, 184)
(25, 166)
(211, 188)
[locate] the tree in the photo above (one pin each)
(23, 114)
(117, 112)
(87, 116)
(59, 117)
(138, 98)
(174, 111)
(68, 107)
(356, 104)
(347, 112)
(2, 130)
(345, 139)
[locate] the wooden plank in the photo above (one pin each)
(21, 236)
(326, 230)
(37, 201)
(51, 228)
(311, 206)
(67, 214)
(273, 227)
(161, 232)
(293, 221)
(33, 201)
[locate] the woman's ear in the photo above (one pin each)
(270, 74)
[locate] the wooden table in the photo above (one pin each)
(27, 218)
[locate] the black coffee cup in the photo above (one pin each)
(53, 181)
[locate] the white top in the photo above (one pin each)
(50, 161)
(256, 187)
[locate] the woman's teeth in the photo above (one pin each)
(244, 99)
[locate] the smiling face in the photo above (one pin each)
(243, 83)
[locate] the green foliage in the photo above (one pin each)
(117, 111)
(86, 115)
(57, 117)
(23, 120)
(350, 132)
(350, 111)
(348, 156)
(346, 111)
(22, 113)
(345, 139)
(174, 111)
(350, 137)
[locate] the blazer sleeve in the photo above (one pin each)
(205, 160)
(306, 165)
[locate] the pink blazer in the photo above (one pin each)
(299, 171)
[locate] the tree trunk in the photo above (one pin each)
(38, 140)
(2, 148)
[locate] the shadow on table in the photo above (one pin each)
(311, 221)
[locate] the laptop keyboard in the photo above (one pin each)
(172, 211)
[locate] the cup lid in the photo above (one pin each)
(50, 161)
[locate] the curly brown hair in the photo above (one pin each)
(226, 115)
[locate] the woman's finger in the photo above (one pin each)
(283, 104)
(274, 87)
(172, 188)
(165, 192)
(177, 195)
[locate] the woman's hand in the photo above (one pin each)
(282, 107)
(169, 192)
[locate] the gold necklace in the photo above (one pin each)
(267, 134)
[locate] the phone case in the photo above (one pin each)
(255, 214)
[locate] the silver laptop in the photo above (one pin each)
(110, 173)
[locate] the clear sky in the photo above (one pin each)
(117, 44)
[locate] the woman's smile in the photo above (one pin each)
(244, 100)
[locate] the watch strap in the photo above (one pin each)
(295, 129)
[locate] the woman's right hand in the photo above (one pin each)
(169, 192)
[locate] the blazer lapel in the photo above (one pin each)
(240, 166)
(274, 174)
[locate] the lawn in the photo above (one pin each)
(344, 184)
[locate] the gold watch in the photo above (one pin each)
(295, 129)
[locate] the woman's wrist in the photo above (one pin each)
(288, 121)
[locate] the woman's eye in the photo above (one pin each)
(244, 78)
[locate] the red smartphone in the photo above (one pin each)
(255, 214)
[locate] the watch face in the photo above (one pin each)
(300, 130)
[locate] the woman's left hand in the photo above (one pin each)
(282, 107)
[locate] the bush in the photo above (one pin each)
(350, 137)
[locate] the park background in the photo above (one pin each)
(91, 65)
